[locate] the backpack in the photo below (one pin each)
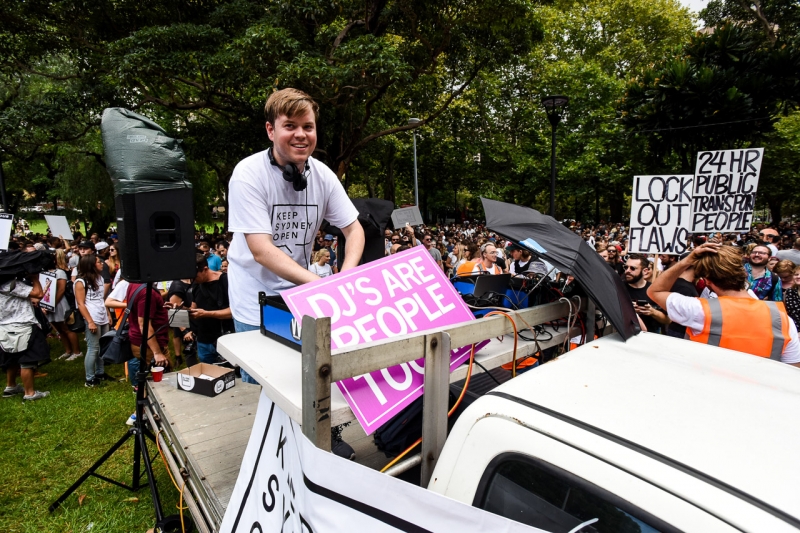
(69, 292)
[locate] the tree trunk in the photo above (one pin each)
(389, 184)
(775, 204)
(617, 199)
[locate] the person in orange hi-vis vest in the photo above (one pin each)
(735, 320)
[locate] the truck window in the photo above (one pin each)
(539, 494)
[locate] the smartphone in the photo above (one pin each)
(642, 303)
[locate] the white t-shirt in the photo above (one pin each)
(321, 271)
(120, 291)
(95, 303)
(261, 201)
(688, 311)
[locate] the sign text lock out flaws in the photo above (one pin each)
(660, 214)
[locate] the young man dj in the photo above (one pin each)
(277, 201)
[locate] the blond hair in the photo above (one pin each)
(724, 268)
(784, 267)
(61, 259)
(290, 103)
(318, 255)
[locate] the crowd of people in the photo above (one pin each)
(88, 297)
(762, 265)
(88, 283)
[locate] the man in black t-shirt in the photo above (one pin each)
(636, 269)
(210, 313)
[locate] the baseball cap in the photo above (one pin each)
(328, 237)
(102, 245)
(86, 244)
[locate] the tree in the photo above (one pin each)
(725, 89)
(204, 69)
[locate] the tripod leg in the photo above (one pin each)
(91, 471)
(151, 480)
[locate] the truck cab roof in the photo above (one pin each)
(709, 426)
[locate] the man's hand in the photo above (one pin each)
(189, 337)
(92, 327)
(270, 256)
(161, 359)
(697, 253)
(200, 313)
(648, 310)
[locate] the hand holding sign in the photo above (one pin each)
(397, 295)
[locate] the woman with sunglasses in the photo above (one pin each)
(113, 262)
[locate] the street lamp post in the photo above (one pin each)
(413, 121)
(552, 105)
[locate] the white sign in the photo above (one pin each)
(406, 215)
(6, 225)
(59, 226)
(287, 484)
(48, 282)
(724, 191)
(660, 214)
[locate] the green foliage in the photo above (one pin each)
(725, 89)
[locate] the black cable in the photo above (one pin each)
(487, 372)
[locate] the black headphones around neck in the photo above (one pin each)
(290, 173)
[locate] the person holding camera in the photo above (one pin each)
(637, 268)
(210, 314)
(23, 346)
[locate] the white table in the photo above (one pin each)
(278, 367)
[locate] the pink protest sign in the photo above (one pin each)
(397, 295)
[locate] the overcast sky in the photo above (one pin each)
(695, 5)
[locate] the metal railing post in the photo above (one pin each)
(591, 320)
(434, 402)
(316, 352)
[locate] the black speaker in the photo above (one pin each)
(156, 235)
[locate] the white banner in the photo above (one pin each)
(287, 484)
(660, 214)
(59, 226)
(6, 225)
(406, 215)
(724, 192)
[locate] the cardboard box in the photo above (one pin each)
(205, 379)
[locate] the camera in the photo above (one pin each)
(189, 347)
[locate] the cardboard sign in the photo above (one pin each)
(48, 282)
(287, 484)
(396, 295)
(724, 191)
(59, 226)
(406, 215)
(6, 226)
(660, 214)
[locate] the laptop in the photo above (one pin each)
(496, 283)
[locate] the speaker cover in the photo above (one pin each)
(156, 235)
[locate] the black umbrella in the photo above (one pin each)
(550, 240)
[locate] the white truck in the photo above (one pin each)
(652, 434)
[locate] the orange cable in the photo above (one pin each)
(449, 413)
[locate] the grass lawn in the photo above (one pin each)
(49, 443)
